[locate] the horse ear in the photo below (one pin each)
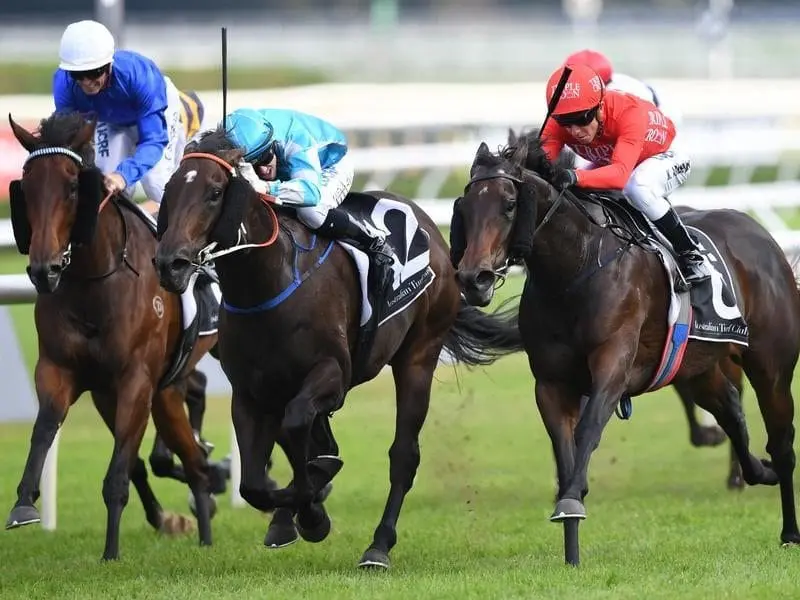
(84, 135)
(24, 137)
(483, 150)
(512, 137)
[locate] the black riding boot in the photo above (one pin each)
(339, 225)
(196, 403)
(690, 260)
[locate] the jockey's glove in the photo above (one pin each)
(248, 173)
(564, 178)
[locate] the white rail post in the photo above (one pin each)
(48, 486)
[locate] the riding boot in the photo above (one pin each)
(196, 403)
(339, 225)
(690, 260)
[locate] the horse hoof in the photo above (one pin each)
(736, 482)
(21, 516)
(323, 494)
(568, 508)
(768, 474)
(790, 539)
(375, 560)
(217, 478)
(311, 527)
(212, 505)
(281, 531)
(708, 436)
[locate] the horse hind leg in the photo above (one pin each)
(172, 423)
(772, 384)
(716, 393)
(413, 376)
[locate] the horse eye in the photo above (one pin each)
(510, 204)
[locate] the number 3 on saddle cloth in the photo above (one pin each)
(411, 271)
(709, 311)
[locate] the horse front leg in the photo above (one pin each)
(321, 393)
(133, 391)
(559, 406)
(255, 435)
(609, 366)
(56, 391)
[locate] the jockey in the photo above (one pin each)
(302, 161)
(139, 135)
(620, 82)
(629, 142)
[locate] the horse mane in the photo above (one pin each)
(216, 142)
(524, 155)
(59, 129)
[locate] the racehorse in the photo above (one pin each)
(699, 435)
(289, 332)
(104, 324)
(593, 319)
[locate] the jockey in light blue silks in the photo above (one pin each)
(302, 161)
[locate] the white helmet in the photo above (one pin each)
(86, 45)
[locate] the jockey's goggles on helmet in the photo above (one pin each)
(266, 156)
(580, 119)
(91, 74)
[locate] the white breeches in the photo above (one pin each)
(336, 183)
(655, 179)
(114, 144)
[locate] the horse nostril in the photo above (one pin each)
(178, 265)
(485, 279)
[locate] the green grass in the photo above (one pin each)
(37, 78)
(660, 523)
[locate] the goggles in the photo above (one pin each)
(580, 119)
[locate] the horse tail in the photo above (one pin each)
(478, 338)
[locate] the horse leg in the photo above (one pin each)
(734, 373)
(719, 396)
(413, 375)
(255, 436)
(559, 405)
(133, 410)
(152, 508)
(171, 421)
(772, 384)
(609, 382)
(55, 389)
(321, 393)
(699, 435)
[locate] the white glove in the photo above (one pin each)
(248, 173)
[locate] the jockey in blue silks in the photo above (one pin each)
(139, 135)
(302, 161)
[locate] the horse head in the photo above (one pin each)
(204, 206)
(505, 202)
(55, 204)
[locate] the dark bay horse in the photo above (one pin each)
(597, 328)
(103, 322)
(291, 363)
(699, 435)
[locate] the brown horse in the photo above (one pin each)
(597, 327)
(289, 331)
(103, 322)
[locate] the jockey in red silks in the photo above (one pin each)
(629, 143)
